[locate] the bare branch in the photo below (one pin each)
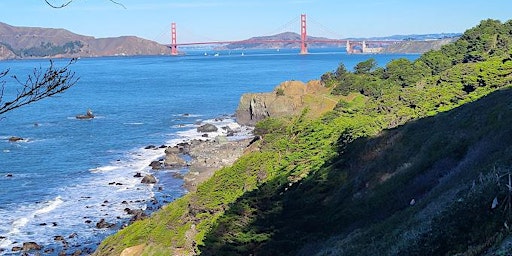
(70, 1)
(118, 3)
(42, 83)
(58, 6)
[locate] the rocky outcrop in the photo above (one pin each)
(209, 156)
(289, 98)
(104, 224)
(207, 128)
(148, 179)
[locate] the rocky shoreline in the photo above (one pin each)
(194, 161)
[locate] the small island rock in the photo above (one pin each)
(207, 128)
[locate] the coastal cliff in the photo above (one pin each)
(287, 99)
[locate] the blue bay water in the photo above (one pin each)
(62, 170)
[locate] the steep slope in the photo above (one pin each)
(413, 160)
(31, 42)
(424, 188)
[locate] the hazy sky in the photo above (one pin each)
(203, 20)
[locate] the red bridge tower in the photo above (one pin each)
(303, 35)
(174, 45)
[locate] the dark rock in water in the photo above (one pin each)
(162, 146)
(104, 224)
(177, 175)
(15, 139)
(205, 135)
(112, 183)
(156, 165)
(150, 147)
(124, 202)
(27, 246)
(207, 128)
(42, 224)
(138, 214)
(148, 179)
(137, 175)
(9, 175)
(88, 221)
(54, 224)
(88, 115)
(119, 184)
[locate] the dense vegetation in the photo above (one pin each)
(399, 167)
(49, 49)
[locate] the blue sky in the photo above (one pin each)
(204, 20)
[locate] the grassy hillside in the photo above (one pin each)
(409, 163)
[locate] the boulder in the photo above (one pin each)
(15, 139)
(172, 150)
(148, 179)
(133, 251)
(156, 165)
(137, 214)
(104, 224)
(207, 128)
(27, 246)
(174, 161)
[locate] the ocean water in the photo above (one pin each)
(58, 180)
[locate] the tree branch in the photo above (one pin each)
(42, 83)
(70, 1)
(58, 6)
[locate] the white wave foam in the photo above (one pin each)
(52, 205)
(19, 223)
(104, 168)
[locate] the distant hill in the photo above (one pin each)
(290, 36)
(410, 46)
(412, 43)
(34, 42)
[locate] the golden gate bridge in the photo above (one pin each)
(351, 46)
